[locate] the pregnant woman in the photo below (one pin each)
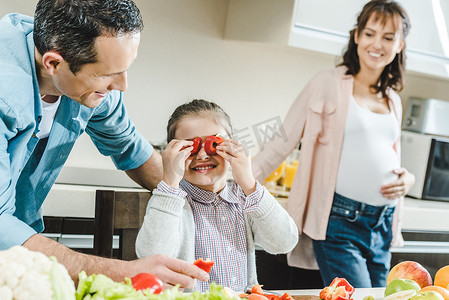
(349, 181)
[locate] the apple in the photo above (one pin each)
(427, 295)
(399, 285)
(410, 270)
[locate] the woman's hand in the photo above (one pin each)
(173, 160)
(400, 187)
(240, 162)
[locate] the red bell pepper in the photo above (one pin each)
(257, 290)
(206, 265)
(257, 297)
(148, 281)
(286, 297)
(339, 289)
(196, 145)
(211, 143)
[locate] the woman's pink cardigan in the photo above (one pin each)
(317, 117)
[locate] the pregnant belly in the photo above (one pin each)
(361, 177)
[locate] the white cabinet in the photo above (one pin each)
(323, 26)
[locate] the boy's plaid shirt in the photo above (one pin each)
(220, 232)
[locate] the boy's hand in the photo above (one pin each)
(173, 160)
(240, 162)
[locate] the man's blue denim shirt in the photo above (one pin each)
(29, 167)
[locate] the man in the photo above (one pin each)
(63, 78)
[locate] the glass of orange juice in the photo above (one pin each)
(272, 179)
(290, 169)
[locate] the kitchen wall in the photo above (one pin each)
(183, 56)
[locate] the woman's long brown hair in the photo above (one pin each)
(393, 74)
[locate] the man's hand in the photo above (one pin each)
(170, 270)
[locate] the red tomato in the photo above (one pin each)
(339, 289)
(211, 143)
(148, 281)
(206, 265)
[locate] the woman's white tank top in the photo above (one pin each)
(367, 158)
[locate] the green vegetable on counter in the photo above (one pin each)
(100, 287)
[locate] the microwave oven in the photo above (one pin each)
(427, 157)
(428, 116)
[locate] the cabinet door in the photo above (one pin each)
(323, 25)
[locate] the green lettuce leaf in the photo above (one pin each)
(100, 287)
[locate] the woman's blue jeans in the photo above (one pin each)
(357, 243)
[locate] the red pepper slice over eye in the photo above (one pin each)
(148, 281)
(211, 143)
(339, 289)
(196, 145)
(205, 265)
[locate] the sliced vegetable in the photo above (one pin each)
(402, 295)
(257, 297)
(286, 297)
(257, 289)
(206, 265)
(339, 289)
(147, 281)
(196, 146)
(256, 292)
(211, 143)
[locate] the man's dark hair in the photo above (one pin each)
(70, 27)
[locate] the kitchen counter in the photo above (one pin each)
(69, 200)
(79, 201)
